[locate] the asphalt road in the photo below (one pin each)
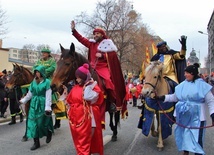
(130, 140)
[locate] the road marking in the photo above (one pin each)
(106, 139)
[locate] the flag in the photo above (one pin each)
(142, 73)
(154, 48)
(146, 61)
(147, 55)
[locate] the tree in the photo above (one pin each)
(3, 22)
(29, 50)
(124, 26)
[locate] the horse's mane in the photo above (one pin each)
(27, 70)
(153, 67)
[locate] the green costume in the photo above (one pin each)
(38, 123)
(49, 64)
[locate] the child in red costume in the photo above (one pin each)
(84, 116)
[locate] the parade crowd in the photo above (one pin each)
(81, 99)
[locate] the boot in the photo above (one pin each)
(13, 120)
(49, 136)
(21, 117)
(24, 138)
(57, 124)
(36, 144)
(186, 153)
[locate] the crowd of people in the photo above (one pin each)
(82, 101)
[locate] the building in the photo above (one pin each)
(23, 56)
(27, 58)
(210, 30)
(192, 58)
(4, 64)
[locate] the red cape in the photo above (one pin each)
(118, 81)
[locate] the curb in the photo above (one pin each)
(7, 119)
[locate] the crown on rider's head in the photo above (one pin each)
(100, 30)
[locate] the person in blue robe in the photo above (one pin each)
(192, 95)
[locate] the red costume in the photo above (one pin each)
(107, 67)
(79, 116)
(84, 113)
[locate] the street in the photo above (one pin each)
(130, 140)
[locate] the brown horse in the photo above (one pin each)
(21, 78)
(65, 72)
(155, 84)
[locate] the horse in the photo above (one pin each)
(21, 78)
(156, 111)
(68, 63)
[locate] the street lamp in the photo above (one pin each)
(199, 56)
(202, 32)
(209, 52)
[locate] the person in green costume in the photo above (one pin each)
(47, 61)
(39, 117)
(50, 65)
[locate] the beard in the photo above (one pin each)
(98, 38)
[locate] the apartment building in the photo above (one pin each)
(210, 30)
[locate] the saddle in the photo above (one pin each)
(171, 84)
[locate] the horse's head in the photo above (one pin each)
(153, 77)
(66, 67)
(20, 76)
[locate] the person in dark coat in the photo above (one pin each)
(3, 100)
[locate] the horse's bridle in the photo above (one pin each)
(74, 65)
(153, 86)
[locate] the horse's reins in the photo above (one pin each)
(181, 125)
(93, 69)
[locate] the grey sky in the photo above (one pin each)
(48, 22)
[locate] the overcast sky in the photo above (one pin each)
(48, 21)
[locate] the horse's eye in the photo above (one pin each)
(155, 77)
(67, 64)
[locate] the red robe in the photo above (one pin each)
(108, 67)
(80, 122)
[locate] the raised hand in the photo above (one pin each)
(183, 41)
(72, 25)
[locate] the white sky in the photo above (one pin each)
(48, 21)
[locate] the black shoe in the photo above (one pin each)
(24, 138)
(34, 147)
(11, 123)
(21, 117)
(57, 124)
(36, 144)
(13, 120)
(49, 136)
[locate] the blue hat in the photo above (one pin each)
(161, 43)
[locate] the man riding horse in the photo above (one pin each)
(174, 61)
(173, 72)
(103, 59)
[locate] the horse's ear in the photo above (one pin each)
(160, 66)
(61, 47)
(72, 48)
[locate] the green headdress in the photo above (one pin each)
(46, 50)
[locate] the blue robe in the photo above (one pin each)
(191, 96)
